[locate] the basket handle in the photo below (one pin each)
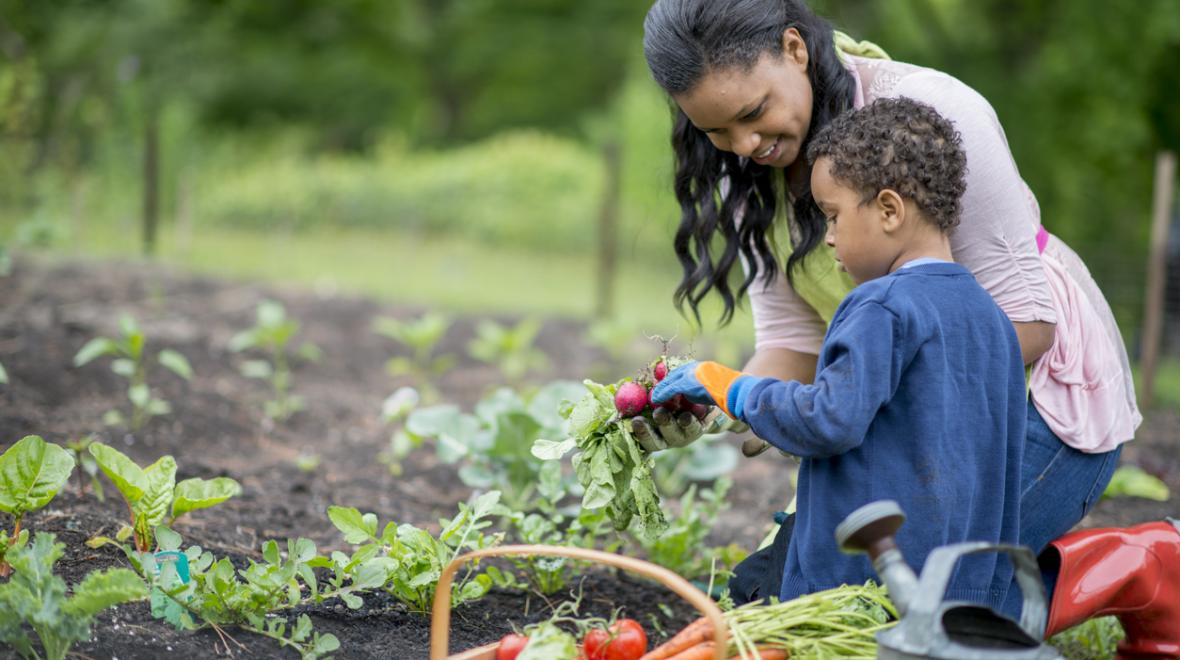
(440, 618)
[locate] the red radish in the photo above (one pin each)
(630, 399)
(660, 371)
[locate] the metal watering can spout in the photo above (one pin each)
(931, 627)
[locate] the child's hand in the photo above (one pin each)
(709, 383)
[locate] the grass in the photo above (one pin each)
(447, 273)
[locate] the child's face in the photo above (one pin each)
(856, 230)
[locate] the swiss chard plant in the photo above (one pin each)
(419, 557)
(510, 349)
(32, 472)
(492, 444)
(271, 334)
(152, 493)
(421, 337)
(260, 596)
(35, 600)
(88, 472)
(130, 361)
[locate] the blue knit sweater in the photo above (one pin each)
(919, 397)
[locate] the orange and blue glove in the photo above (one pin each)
(709, 383)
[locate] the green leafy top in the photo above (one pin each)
(32, 472)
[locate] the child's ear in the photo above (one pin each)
(892, 210)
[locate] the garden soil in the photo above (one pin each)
(48, 310)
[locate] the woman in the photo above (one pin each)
(751, 81)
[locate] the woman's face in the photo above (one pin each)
(763, 113)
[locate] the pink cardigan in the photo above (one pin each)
(1082, 386)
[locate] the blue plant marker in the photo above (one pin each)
(179, 560)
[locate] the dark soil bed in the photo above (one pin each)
(48, 311)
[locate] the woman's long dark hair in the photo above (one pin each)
(683, 40)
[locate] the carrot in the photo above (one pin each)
(702, 651)
(693, 634)
(766, 653)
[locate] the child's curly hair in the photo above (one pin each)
(902, 145)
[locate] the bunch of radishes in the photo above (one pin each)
(633, 397)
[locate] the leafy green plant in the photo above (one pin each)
(131, 363)
(422, 337)
(394, 410)
(272, 332)
(510, 349)
(1132, 481)
(1096, 638)
(681, 547)
(218, 594)
(36, 598)
(493, 443)
(79, 449)
(551, 525)
(32, 472)
(150, 492)
(418, 557)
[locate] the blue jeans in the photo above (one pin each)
(1058, 487)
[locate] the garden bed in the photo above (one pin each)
(217, 428)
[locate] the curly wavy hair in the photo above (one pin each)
(682, 41)
(902, 145)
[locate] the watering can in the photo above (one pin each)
(931, 627)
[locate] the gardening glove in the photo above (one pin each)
(680, 429)
(709, 383)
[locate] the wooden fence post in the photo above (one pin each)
(1153, 320)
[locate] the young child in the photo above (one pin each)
(919, 392)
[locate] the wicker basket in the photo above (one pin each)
(440, 619)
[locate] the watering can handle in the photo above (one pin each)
(942, 561)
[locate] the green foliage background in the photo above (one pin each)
(485, 120)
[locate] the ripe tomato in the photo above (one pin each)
(624, 641)
(510, 646)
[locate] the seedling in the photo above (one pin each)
(417, 557)
(214, 593)
(422, 336)
(150, 491)
(89, 472)
(32, 472)
(272, 332)
(511, 350)
(35, 599)
(131, 363)
(493, 444)
(393, 410)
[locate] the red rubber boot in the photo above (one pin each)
(1132, 573)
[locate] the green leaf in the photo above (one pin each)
(1131, 481)
(357, 528)
(123, 367)
(552, 450)
(161, 481)
(193, 494)
(177, 363)
(139, 395)
(102, 589)
(95, 348)
(122, 471)
(32, 471)
(260, 369)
